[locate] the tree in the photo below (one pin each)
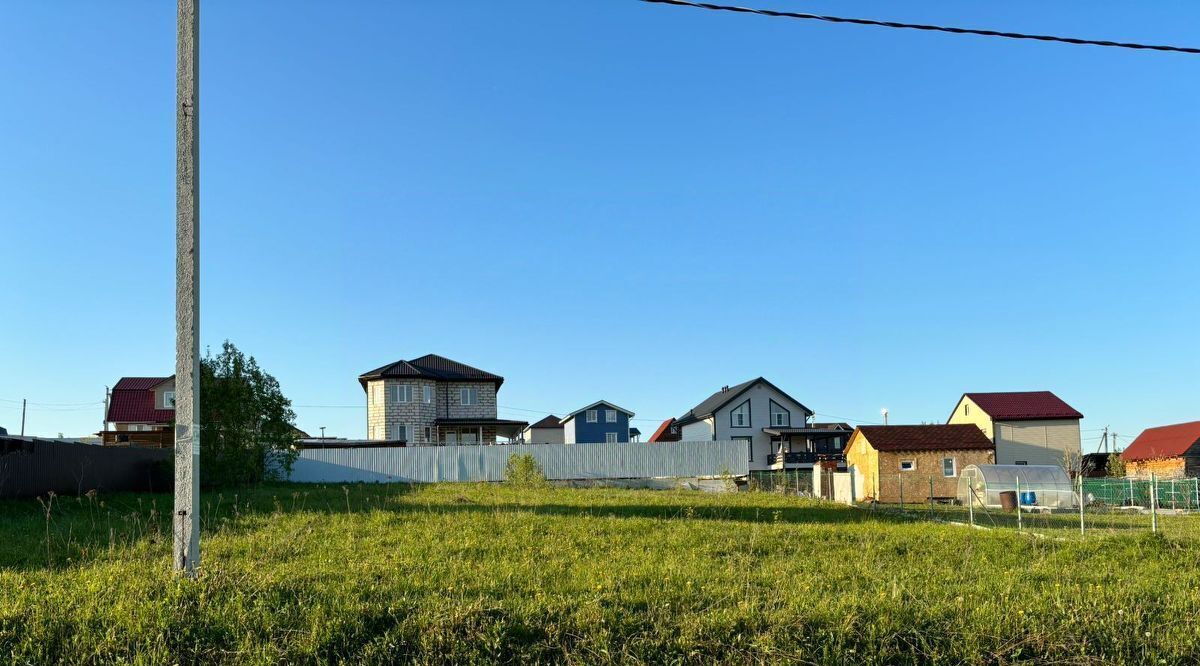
(1116, 466)
(244, 419)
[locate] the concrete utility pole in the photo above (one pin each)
(23, 401)
(186, 551)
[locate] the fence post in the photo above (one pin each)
(1018, 480)
(1131, 491)
(900, 480)
(931, 497)
(1197, 483)
(1173, 507)
(1081, 501)
(1153, 502)
(971, 500)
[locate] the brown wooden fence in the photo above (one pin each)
(30, 467)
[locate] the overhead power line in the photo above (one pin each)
(930, 28)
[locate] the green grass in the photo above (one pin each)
(495, 574)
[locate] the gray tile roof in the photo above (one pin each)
(431, 366)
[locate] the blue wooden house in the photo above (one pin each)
(597, 423)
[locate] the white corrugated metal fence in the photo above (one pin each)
(427, 464)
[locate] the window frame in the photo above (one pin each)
(592, 416)
(468, 396)
(771, 407)
(610, 416)
(392, 432)
(912, 465)
(737, 411)
(168, 402)
(953, 468)
(427, 394)
(611, 438)
(402, 393)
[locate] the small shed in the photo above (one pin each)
(1040, 485)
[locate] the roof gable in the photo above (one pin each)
(716, 401)
(431, 366)
(1022, 405)
(1169, 441)
(551, 421)
(664, 434)
(594, 405)
(132, 401)
(956, 437)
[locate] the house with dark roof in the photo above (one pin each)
(667, 431)
(546, 431)
(1027, 427)
(774, 425)
(1167, 452)
(432, 400)
(911, 461)
(140, 412)
(599, 422)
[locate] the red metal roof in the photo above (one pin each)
(132, 401)
(138, 383)
(955, 437)
(1169, 441)
(1023, 406)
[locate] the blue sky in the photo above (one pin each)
(608, 199)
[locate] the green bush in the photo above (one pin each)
(524, 470)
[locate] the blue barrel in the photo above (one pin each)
(1028, 498)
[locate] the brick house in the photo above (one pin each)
(885, 457)
(433, 400)
(1168, 452)
(140, 412)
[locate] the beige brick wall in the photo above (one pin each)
(887, 482)
(485, 407)
(383, 411)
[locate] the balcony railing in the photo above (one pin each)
(802, 457)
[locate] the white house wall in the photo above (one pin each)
(700, 431)
(545, 435)
(760, 396)
(568, 432)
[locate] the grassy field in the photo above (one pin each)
(494, 574)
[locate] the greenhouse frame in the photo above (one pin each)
(1041, 486)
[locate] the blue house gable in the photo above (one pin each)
(597, 423)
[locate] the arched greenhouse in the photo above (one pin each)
(1040, 485)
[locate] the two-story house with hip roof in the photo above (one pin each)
(1027, 427)
(599, 422)
(140, 411)
(774, 425)
(433, 400)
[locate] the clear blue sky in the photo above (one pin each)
(607, 199)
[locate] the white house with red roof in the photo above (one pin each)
(140, 411)
(1027, 427)
(1168, 452)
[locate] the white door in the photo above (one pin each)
(452, 438)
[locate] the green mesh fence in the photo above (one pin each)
(1114, 493)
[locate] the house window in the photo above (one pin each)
(428, 434)
(610, 438)
(377, 394)
(1020, 462)
(740, 416)
(780, 417)
(593, 416)
(949, 467)
(749, 445)
(837, 443)
(402, 392)
(908, 465)
(398, 432)
(168, 400)
(610, 416)
(966, 410)
(468, 396)
(428, 394)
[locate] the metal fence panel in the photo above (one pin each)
(30, 467)
(428, 464)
